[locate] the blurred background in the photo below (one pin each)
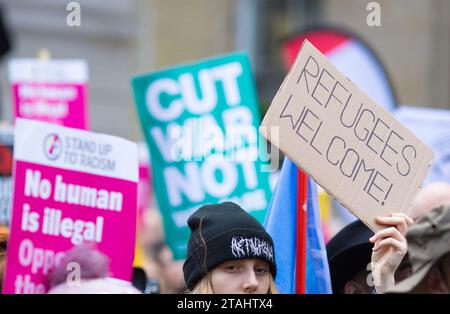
(123, 38)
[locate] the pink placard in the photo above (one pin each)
(70, 187)
(43, 228)
(58, 103)
(145, 195)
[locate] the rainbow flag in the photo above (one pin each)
(293, 221)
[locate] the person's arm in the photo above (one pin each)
(389, 248)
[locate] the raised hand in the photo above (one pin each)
(390, 247)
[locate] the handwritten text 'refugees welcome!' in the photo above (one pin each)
(327, 110)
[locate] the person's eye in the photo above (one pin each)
(261, 271)
(231, 268)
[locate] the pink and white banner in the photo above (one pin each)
(53, 91)
(70, 187)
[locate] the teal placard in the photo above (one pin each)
(200, 122)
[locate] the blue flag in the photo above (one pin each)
(281, 224)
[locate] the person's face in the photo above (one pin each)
(241, 276)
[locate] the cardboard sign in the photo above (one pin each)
(50, 90)
(70, 187)
(201, 125)
(351, 146)
(432, 126)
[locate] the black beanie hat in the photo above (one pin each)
(229, 233)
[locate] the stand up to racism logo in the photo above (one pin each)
(52, 146)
